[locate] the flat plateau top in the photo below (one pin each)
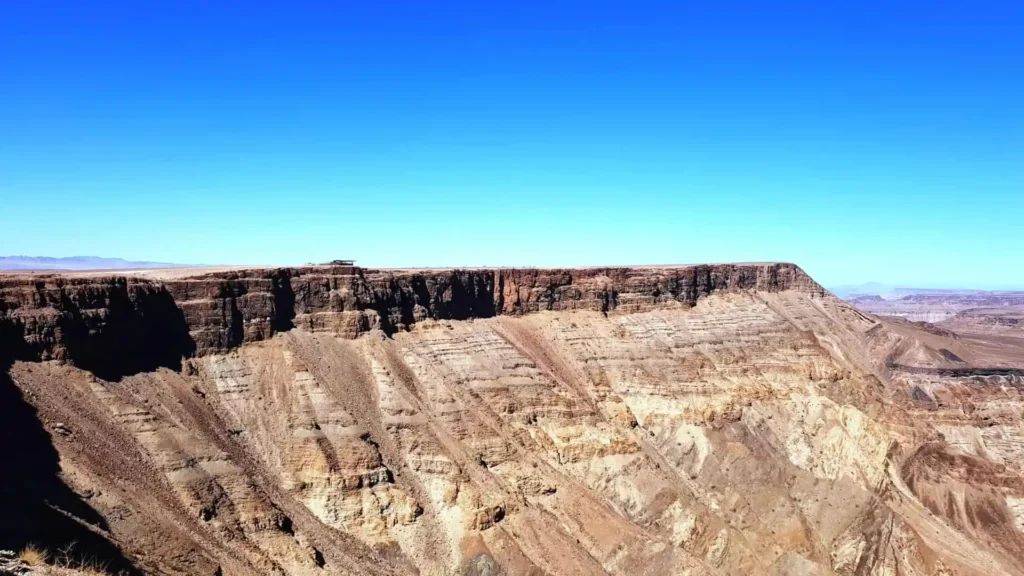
(177, 273)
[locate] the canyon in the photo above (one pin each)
(708, 419)
(938, 306)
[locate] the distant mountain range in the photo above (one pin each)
(872, 288)
(75, 263)
(891, 292)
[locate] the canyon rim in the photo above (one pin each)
(714, 419)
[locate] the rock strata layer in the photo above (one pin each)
(706, 420)
(113, 325)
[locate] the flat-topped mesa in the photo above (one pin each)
(115, 325)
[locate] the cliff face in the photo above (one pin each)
(697, 420)
(123, 325)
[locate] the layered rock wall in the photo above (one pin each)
(707, 420)
(114, 325)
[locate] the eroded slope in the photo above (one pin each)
(729, 421)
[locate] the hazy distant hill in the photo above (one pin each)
(74, 263)
(895, 292)
(849, 290)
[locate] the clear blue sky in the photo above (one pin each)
(864, 141)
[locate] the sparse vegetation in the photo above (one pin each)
(89, 565)
(65, 562)
(33, 555)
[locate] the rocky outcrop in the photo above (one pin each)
(109, 325)
(123, 325)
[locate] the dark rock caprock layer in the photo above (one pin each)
(116, 325)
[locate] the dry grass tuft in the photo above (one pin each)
(32, 555)
(65, 562)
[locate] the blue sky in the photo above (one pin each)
(867, 141)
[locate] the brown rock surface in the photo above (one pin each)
(723, 419)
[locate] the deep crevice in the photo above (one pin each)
(283, 318)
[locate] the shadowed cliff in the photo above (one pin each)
(37, 507)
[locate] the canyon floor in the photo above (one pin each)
(721, 419)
